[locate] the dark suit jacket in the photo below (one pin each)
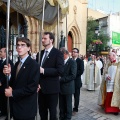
(24, 100)
(3, 79)
(80, 70)
(53, 68)
(67, 85)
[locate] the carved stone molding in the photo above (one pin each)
(75, 9)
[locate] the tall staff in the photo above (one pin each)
(66, 32)
(7, 49)
(40, 29)
(58, 28)
(94, 72)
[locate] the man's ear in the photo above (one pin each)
(51, 40)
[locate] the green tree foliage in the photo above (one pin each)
(91, 26)
(104, 38)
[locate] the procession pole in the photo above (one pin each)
(7, 49)
(66, 32)
(58, 41)
(18, 24)
(58, 27)
(94, 72)
(40, 29)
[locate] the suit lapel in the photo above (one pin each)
(66, 64)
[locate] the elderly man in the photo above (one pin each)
(67, 87)
(109, 97)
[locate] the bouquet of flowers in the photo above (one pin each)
(97, 42)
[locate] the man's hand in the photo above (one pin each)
(8, 92)
(108, 78)
(91, 63)
(41, 70)
(7, 69)
(38, 89)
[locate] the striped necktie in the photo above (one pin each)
(46, 53)
(18, 68)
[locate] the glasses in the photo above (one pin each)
(74, 52)
(21, 45)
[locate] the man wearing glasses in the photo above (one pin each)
(78, 82)
(23, 84)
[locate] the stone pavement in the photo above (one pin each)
(89, 110)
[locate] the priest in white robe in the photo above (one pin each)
(92, 75)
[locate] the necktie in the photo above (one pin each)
(64, 62)
(1, 61)
(18, 68)
(46, 52)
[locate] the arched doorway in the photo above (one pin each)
(70, 42)
(13, 26)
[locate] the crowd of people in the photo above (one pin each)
(53, 76)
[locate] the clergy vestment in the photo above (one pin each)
(92, 76)
(109, 95)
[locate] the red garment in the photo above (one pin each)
(107, 105)
(113, 61)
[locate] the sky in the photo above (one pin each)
(108, 6)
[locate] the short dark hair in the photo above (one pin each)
(76, 49)
(25, 40)
(4, 50)
(64, 51)
(51, 35)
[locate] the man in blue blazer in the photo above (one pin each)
(51, 67)
(23, 83)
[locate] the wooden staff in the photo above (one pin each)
(7, 49)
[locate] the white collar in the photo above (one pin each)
(66, 60)
(49, 49)
(4, 59)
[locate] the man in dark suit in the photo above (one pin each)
(51, 67)
(23, 83)
(67, 87)
(78, 82)
(101, 59)
(3, 82)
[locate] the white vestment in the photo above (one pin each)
(111, 73)
(83, 75)
(99, 64)
(92, 76)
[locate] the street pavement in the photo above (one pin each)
(88, 109)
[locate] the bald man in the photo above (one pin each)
(109, 97)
